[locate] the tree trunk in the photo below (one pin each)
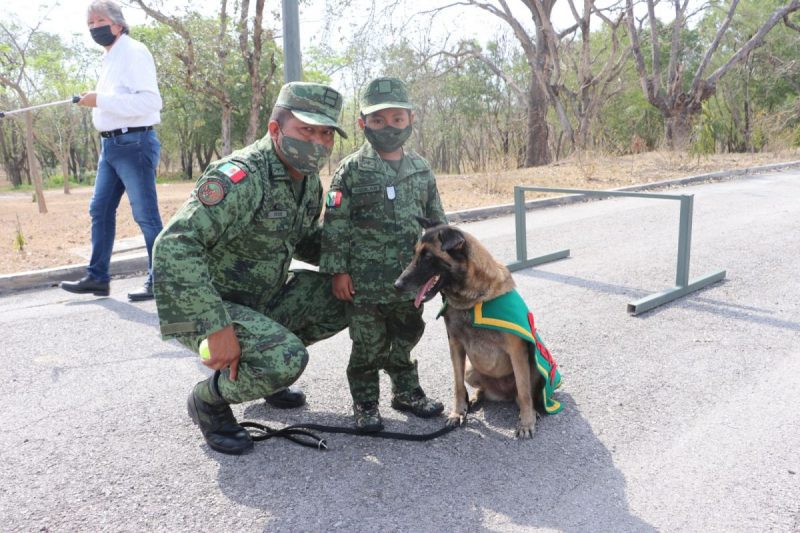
(537, 151)
(10, 160)
(63, 159)
(227, 112)
(678, 130)
(33, 168)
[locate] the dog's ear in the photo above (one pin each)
(428, 223)
(452, 240)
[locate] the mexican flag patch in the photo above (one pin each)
(334, 199)
(235, 173)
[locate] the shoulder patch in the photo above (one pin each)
(334, 199)
(234, 172)
(211, 192)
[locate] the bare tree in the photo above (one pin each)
(251, 53)
(60, 137)
(548, 86)
(209, 79)
(14, 63)
(539, 52)
(665, 89)
(597, 81)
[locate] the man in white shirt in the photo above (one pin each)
(125, 106)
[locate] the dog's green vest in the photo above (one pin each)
(509, 313)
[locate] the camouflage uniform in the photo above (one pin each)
(370, 232)
(224, 259)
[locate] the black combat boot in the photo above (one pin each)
(143, 293)
(213, 414)
(288, 398)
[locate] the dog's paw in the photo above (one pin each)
(456, 419)
(525, 431)
(476, 402)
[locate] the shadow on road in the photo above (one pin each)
(472, 479)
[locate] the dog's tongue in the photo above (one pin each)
(423, 290)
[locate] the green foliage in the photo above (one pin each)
(704, 135)
(626, 118)
(19, 238)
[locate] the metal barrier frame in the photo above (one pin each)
(682, 284)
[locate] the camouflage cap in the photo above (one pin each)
(313, 103)
(383, 93)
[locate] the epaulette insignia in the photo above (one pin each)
(211, 192)
(367, 163)
(235, 173)
(334, 199)
(277, 169)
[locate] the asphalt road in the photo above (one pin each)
(684, 418)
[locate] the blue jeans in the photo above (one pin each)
(127, 164)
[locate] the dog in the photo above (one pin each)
(498, 364)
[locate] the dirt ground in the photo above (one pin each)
(61, 236)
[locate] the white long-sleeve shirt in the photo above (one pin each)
(127, 91)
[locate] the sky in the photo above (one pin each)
(67, 17)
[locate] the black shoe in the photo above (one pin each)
(216, 420)
(86, 285)
(145, 293)
(288, 398)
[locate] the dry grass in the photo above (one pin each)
(56, 238)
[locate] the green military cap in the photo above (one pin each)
(383, 93)
(313, 103)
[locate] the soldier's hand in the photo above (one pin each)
(343, 287)
(223, 345)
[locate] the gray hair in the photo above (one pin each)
(112, 10)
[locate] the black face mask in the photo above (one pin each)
(103, 35)
(388, 138)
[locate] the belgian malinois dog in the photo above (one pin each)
(496, 363)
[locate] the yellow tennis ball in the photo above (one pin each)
(204, 352)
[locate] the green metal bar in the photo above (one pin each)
(522, 237)
(684, 241)
(519, 221)
(682, 287)
(595, 192)
(519, 265)
(660, 298)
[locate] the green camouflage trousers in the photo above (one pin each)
(274, 339)
(383, 336)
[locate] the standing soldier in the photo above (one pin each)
(221, 266)
(368, 238)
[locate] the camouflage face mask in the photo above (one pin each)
(306, 157)
(388, 138)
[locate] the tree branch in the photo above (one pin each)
(755, 41)
(714, 44)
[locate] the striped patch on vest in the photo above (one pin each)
(334, 199)
(235, 173)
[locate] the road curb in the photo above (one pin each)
(50, 277)
(137, 263)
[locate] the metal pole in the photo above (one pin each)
(292, 67)
(73, 100)
(684, 240)
(519, 219)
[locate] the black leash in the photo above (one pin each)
(301, 434)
